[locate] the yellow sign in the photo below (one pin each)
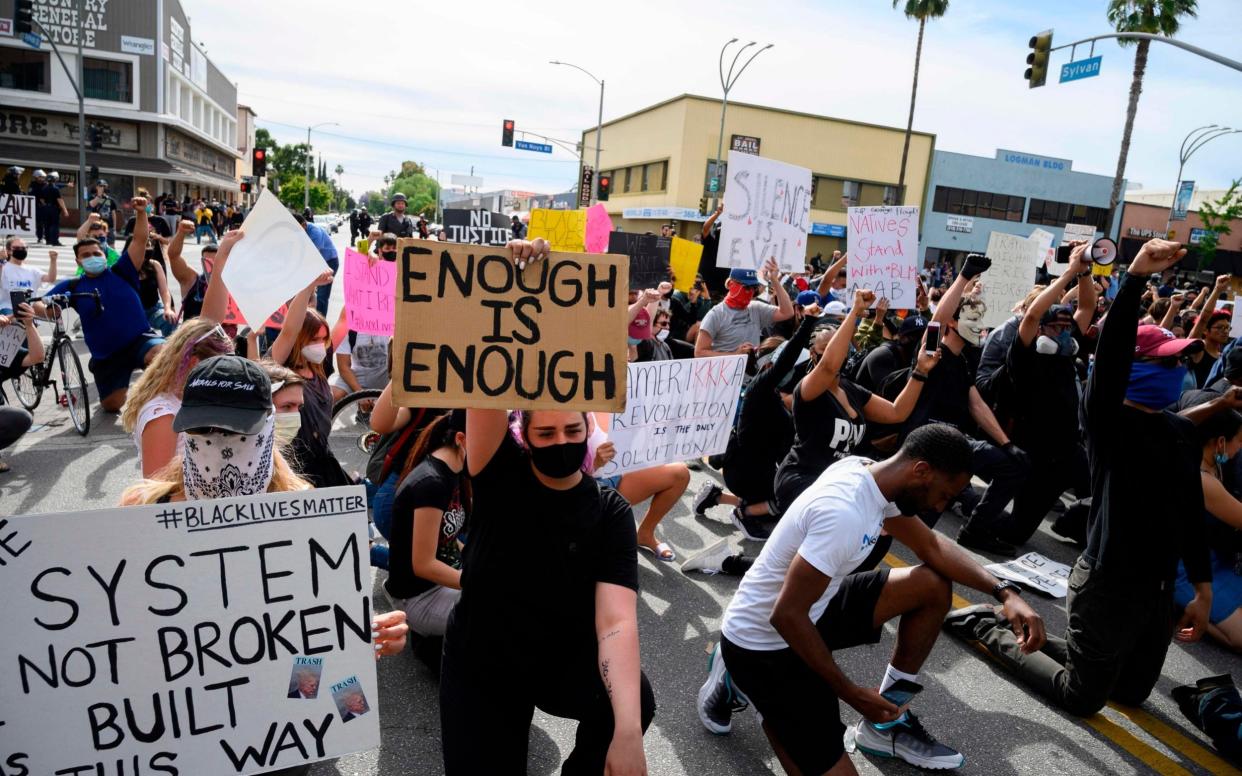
(684, 258)
(564, 229)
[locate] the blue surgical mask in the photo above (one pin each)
(94, 265)
(1154, 385)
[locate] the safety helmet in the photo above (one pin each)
(397, 197)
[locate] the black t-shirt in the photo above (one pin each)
(532, 560)
(1045, 413)
(46, 194)
(14, 369)
(1202, 367)
(880, 363)
(431, 484)
(946, 396)
(823, 429)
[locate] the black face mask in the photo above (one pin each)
(18, 254)
(559, 461)
(388, 255)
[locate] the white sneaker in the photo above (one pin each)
(709, 559)
(905, 739)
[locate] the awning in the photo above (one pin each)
(115, 164)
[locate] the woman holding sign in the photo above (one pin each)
(548, 611)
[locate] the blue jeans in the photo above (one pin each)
(381, 498)
(324, 293)
(206, 229)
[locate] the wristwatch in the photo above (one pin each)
(1002, 586)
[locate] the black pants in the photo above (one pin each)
(485, 714)
(1114, 644)
(1050, 476)
(47, 224)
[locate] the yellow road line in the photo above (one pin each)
(1149, 756)
(1176, 740)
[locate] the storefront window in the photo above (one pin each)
(25, 69)
(105, 79)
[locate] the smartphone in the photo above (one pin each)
(933, 337)
(1063, 254)
(19, 297)
(902, 692)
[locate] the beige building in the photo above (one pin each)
(661, 158)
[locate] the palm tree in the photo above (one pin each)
(921, 10)
(1155, 17)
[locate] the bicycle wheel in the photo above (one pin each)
(73, 381)
(29, 386)
(352, 439)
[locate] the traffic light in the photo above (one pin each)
(245, 187)
(23, 17)
(95, 136)
(258, 162)
(506, 134)
(1041, 47)
(702, 206)
(605, 187)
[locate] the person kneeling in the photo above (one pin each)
(800, 602)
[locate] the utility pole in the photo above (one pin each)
(1195, 139)
(599, 128)
(310, 160)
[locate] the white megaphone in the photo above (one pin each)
(1103, 251)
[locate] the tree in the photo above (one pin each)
(1155, 17)
(291, 193)
(421, 191)
(1216, 217)
(921, 10)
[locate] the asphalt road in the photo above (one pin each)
(968, 703)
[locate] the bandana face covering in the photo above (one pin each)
(1155, 386)
(739, 297)
(219, 464)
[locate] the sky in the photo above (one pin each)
(432, 82)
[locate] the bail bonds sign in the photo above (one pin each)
(186, 638)
(474, 330)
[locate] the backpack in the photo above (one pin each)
(392, 448)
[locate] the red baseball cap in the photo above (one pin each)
(1156, 342)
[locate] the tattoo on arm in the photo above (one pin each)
(609, 634)
(603, 671)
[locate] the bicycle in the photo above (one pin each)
(29, 385)
(352, 441)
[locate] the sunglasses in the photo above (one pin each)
(215, 331)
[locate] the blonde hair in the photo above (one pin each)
(168, 372)
(169, 482)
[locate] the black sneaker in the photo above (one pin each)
(751, 527)
(718, 698)
(986, 542)
(707, 497)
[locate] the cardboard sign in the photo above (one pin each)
(675, 411)
(1010, 278)
(12, 337)
(370, 293)
(565, 230)
(475, 331)
(1045, 240)
(171, 638)
(477, 227)
(684, 258)
(883, 244)
(1036, 572)
(767, 213)
(598, 227)
(649, 257)
(17, 215)
(273, 262)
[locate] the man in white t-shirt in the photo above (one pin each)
(800, 601)
(16, 276)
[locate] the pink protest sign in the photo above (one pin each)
(598, 226)
(883, 247)
(370, 293)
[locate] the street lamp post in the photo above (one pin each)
(1195, 139)
(726, 83)
(599, 129)
(306, 182)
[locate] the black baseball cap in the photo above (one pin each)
(225, 392)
